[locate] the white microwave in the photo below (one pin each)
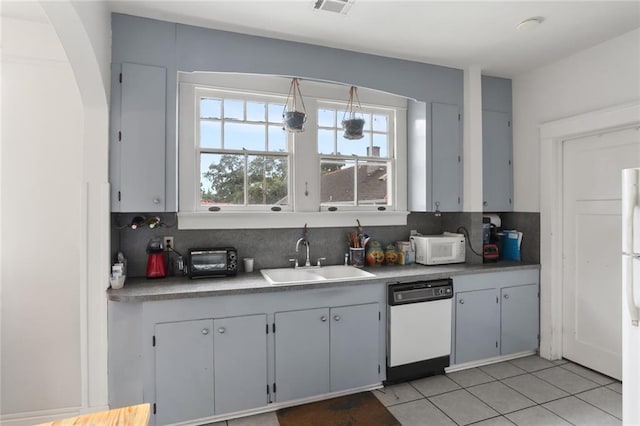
(439, 249)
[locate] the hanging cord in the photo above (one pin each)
(466, 234)
(351, 106)
(294, 93)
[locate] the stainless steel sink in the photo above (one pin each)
(333, 273)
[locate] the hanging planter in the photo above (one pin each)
(293, 119)
(352, 121)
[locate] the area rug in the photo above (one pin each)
(361, 409)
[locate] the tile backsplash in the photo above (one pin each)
(271, 248)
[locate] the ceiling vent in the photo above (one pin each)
(336, 6)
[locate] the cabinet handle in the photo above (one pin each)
(205, 331)
(156, 201)
(506, 296)
(461, 301)
(323, 318)
(484, 203)
(221, 330)
(337, 317)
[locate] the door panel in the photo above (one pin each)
(354, 340)
(184, 371)
(142, 155)
(519, 319)
(592, 327)
(497, 175)
(302, 353)
(446, 147)
(477, 325)
(240, 362)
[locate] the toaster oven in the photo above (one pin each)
(212, 262)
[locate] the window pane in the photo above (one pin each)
(210, 136)
(268, 181)
(242, 135)
(275, 113)
(277, 139)
(379, 123)
(221, 179)
(336, 182)
(326, 118)
(210, 108)
(372, 183)
(326, 139)
(353, 146)
(234, 109)
(380, 145)
(256, 111)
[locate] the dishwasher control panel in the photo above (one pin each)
(420, 291)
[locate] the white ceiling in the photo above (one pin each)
(450, 33)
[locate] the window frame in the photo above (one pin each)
(200, 92)
(304, 160)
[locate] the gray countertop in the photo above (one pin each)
(142, 289)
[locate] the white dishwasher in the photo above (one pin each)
(419, 329)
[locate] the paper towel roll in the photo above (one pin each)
(495, 219)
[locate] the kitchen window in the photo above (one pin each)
(238, 168)
(356, 173)
(242, 150)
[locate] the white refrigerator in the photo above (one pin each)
(630, 296)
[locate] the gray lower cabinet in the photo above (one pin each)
(477, 325)
(326, 350)
(519, 312)
(495, 314)
(184, 371)
(208, 367)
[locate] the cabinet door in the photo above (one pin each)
(240, 363)
(497, 182)
(519, 318)
(184, 371)
(142, 145)
(302, 353)
(355, 332)
(446, 158)
(477, 325)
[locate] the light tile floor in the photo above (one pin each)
(527, 391)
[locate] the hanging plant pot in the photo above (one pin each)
(353, 128)
(294, 121)
(353, 121)
(292, 118)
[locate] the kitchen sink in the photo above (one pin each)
(333, 273)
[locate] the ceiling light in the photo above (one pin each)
(336, 6)
(529, 24)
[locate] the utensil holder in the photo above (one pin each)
(356, 257)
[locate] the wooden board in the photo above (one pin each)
(134, 415)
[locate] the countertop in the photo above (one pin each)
(142, 289)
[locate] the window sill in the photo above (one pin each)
(263, 220)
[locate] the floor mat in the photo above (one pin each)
(361, 409)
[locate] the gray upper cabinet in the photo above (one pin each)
(497, 144)
(434, 146)
(184, 371)
(137, 145)
(446, 150)
(520, 318)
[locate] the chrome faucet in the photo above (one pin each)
(304, 241)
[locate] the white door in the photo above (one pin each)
(592, 327)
